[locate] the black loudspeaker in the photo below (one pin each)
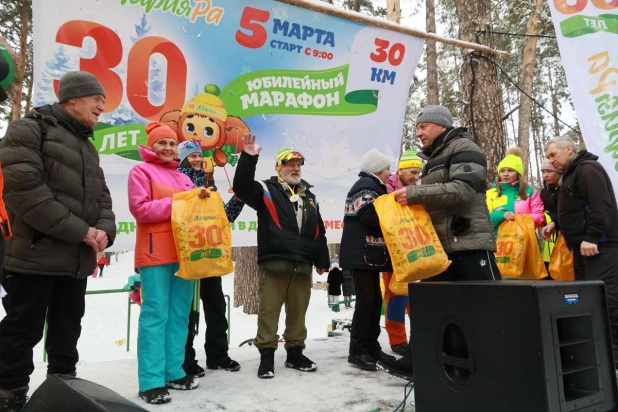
(520, 346)
(61, 393)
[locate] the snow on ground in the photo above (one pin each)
(335, 386)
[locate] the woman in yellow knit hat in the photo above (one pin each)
(511, 195)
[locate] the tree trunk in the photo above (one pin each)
(246, 279)
(333, 249)
(357, 6)
(29, 95)
(24, 16)
(433, 94)
(527, 77)
(554, 101)
(538, 145)
(483, 110)
(393, 10)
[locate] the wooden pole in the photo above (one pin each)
(385, 24)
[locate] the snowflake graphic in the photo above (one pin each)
(246, 70)
(317, 17)
(280, 12)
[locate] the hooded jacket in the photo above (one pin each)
(55, 191)
(511, 202)
(586, 203)
(452, 191)
(151, 187)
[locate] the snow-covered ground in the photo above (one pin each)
(335, 386)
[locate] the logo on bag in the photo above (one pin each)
(483, 262)
(571, 298)
(205, 254)
(427, 251)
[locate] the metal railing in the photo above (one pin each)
(129, 303)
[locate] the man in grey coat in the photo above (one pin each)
(452, 191)
(61, 216)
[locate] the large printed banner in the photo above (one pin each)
(587, 32)
(214, 70)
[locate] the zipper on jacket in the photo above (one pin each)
(150, 236)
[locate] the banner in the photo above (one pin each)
(214, 70)
(587, 32)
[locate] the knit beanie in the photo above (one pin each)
(286, 154)
(410, 160)
(548, 166)
(78, 84)
(207, 104)
(187, 148)
(157, 131)
(435, 114)
(513, 161)
(374, 162)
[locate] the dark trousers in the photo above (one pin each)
(101, 267)
(213, 301)
(30, 298)
(367, 312)
(603, 266)
(469, 265)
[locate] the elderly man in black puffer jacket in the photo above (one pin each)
(60, 211)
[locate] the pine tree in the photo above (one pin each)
(125, 114)
(55, 68)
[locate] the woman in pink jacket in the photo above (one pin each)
(511, 195)
(166, 298)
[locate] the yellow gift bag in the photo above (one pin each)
(414, 247)
(534, 266)
(561, 261)
(202, 235)
(511, 246)
(398, 288)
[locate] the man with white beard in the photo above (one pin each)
(291, 241)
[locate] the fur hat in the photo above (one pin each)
(157, 131)
(410, 160)
(374, 162)
(78, 84)
(513, 161)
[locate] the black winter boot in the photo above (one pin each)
(229, 365)
(13, 400)
(156, 396)
(267, 364)
(402, 349)
(296, 360)
(381, 356)
(195, 369)
(189, 382)
(401, 368)
(363, 361)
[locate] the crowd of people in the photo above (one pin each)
(60, 217)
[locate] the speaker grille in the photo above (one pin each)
(579, 369)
